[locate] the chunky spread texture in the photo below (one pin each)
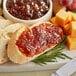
(38, 39)
(28, 9)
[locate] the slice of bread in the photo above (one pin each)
(3, 46)
(4, 23)
(1, 17)
(4, 37)
(15, 55)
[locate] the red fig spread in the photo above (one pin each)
(28, 9)
(38, 39)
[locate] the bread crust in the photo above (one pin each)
(13, 51)
(1, 17)
(5, 35)
(3, 53)
(3, 41)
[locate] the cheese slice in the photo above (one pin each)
(62, 18)
(53, 20)
(71, 42)
(73, 28)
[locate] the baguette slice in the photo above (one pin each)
(3, 46)
(5, 36)
(15, 55)
(2, 17)
(5, 23)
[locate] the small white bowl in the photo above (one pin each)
(46, 17)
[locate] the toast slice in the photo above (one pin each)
(1, 17)
(3, 46)
(4, 37)
(4, 23)
(16, 54)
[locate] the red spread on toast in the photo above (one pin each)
(38, 39)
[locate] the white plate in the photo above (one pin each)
(10, 67)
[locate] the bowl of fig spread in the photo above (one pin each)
(28, 11)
